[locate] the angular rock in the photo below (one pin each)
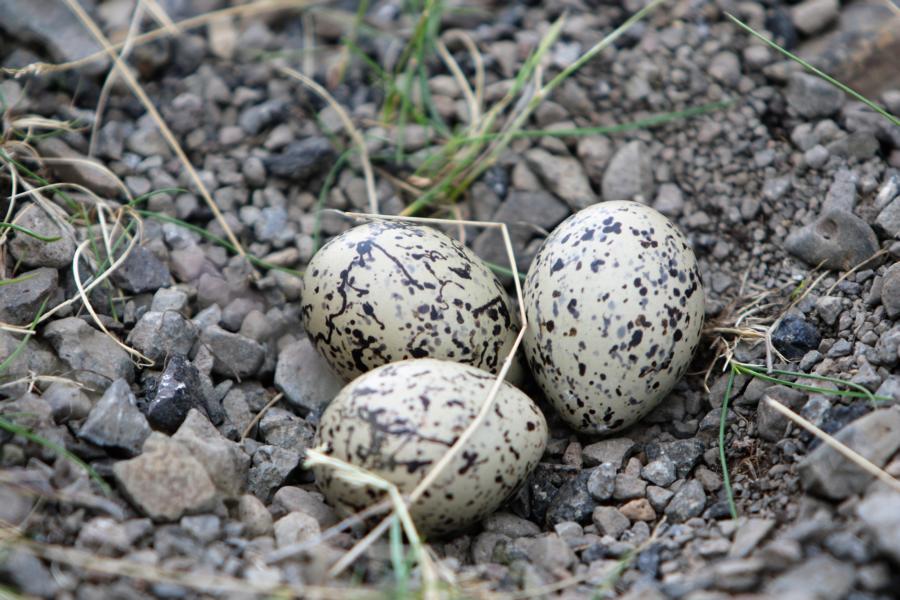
(254, 119)
(812, 16)
(749, 535)
(564, 176)
(828, 473)
(689, 501)
(628, 487)
(142, 272)
(638, 510)
(116, 422)
(254, 515)
(271, 468)
(300, 160)
(21, 298)
(72, 168)
(660, 471)
(158, 335)
(821, 577)
(842, 193)
(67, 402)
(234, 354)
(307, 381)
(684, 454)
(295, 499)
(167, 481)
(614, 450)
(771, 425)
(573, 502)
(177, 392)
(33, 252)
(880, 512)
(888, 221)
(97, 359)
(602, 482)
(295, 527)
(812, 96)
(890, 291)
(32, 357)
(27, 573)
(224, 461)
(629, 174)
(284, 429)
(510, 525)
(795, 336)
(838, 239)
(609, 521)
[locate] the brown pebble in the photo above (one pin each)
(638, 510)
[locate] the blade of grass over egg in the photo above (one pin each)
(844, 88)
(857, 391)
(723, 421)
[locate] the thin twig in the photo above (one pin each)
(260, 414)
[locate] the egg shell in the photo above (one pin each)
(615, 310)
(399, 420)
(387, 291)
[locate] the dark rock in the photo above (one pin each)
(115, 422)
(684, 454)
(254, 119)
(177, 392)
(96, 359)
(795, 336)
(21, 298)
(614, 451)
(779, 22)
(272, 467)
(27, 574)
(141, 272)
(33, 252)
(826, 472)
(282, 428)
(572, 502)
(301, 160)
(812, 96)
(689, 501)
(838, 240)
(234, 354)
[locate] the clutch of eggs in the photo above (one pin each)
(400, 419)
(387, 291)
(615, 310)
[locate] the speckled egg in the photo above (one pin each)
(615, 308)
(398, 420)
(389, 291)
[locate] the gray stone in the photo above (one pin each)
(22, 297)
(628, 487)
(829, 308)
(629, 174)
(27, 573)
(602, 482)
(660, 471)
(659, 497)
(821, 577)
(254, 515)
(771, 425)
(841, 347)
(158, 335)
(67, 402)
(816, 157)
(748, 536)
(295, 527)
(725, 67)
(876, 436)
(813, 97)
(669, 200)
(141, 272)
(689, 501)
(609, 521)
(254, 119)
(573, 502)
(485, 544)
(284, 429)
(842, 193)
(71, 167)
(510, 525)
(838, 240)
(890, 291)
(204, 528)
(594, 151)
(115, 422)
(271, 468)
(888, 221)
(812, 16)
(167, 481)
(564, 176)
(684, 454)
(234, 354)
(32, 356)
(294, 499)
(300, 160)
(548, 551)
(614, 450)
(307, 381)
(96, 358)
(51, 25)
(33, 252)
(880, 512)
(170, 299)
(224, 461)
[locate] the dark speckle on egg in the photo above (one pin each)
(613, 340)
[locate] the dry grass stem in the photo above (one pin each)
(132, 82)
(351, 130)
(847, 274)
(260, 414)
(848, 453)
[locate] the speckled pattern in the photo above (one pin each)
(400, 419)
(615, 308)
(387, 291)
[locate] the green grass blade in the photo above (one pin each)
(21, 345)
(844, 88)
(398, 562)
(28, 232)
(723, 421)
(504, 270)
(857, 392)
(19, 279)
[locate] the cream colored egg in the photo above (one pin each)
(399, 420)
(615, 310)
(388, 291)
